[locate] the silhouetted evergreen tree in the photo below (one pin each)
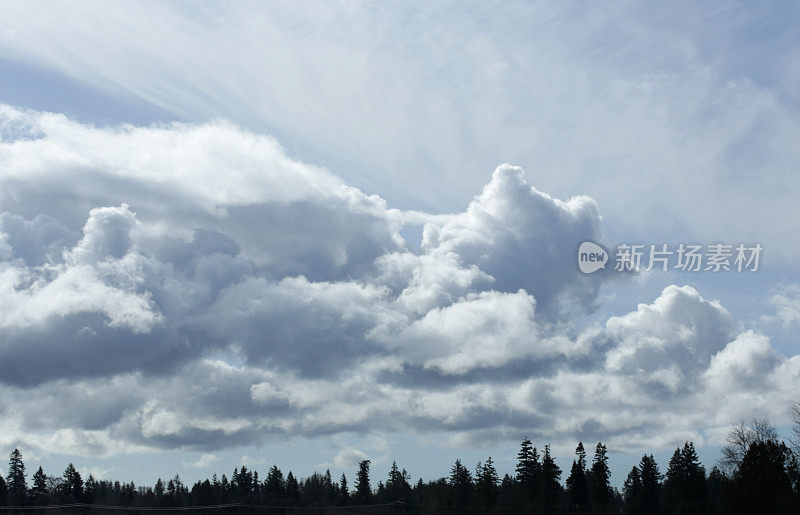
(397, 486)
(15, 479)
(695, 474)
(71, 490)
(577, 482)
(632, 491)
(363, 493)
(292, 489)
(177, 492)
(600, 494)
(651, 484)
(215, 485)
(344, 493)
(275, 486)
(331, 490)
(224, 489)
(433, 493)
(129, 492)
(460, 484)
(550, 480)
(685, 483)
(159, 492)
(3, 491)
(313, 490)
(527, 470)
(39, 493)
(242, 484)
(202, 493)
(762, 483)
(509, 494)
(486, 480)
(719, 490)
(90, 490)
(617, 503)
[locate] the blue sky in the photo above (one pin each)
(270, 233)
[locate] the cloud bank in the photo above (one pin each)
(192, 286)
(672, 100)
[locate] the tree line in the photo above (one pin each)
(757, 473)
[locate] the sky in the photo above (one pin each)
(310, 234)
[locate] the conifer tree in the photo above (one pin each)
(363, 488)
(719, 490)
(762, 483)
(397, 485)
(460, 483)
(550, 479)
(225, 488)
(15, 479)
(39, 490)
(632, 491)
(159, 491)
(600, 478)
(344, 493)
(3, 491)
(685, 482)
(486, 480)
(526, 467)
(651, 483)
(71, 485)
(242, 483)
(331, 490)
(90, 489)
(275, 485)
(577, 482)
(292, 489)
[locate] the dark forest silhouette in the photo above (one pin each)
(757, 474)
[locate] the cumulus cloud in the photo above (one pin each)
(787, 306)
(192, 286)
(679, 329)
(35, 241)
(514, 233)
(349, 458)
(205, 461)
(594, 97)
(486, 329)
(98, 275)
(744, 364)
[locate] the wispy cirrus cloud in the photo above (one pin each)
(671, 101)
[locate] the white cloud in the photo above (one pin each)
(488, 329)
(787, 306)
(349, 458)
(205, 461)
(96, 472)
(646, 110)
(100, 274)
(744, 364)
(679, 328)
(514, 232)
(147, 305)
